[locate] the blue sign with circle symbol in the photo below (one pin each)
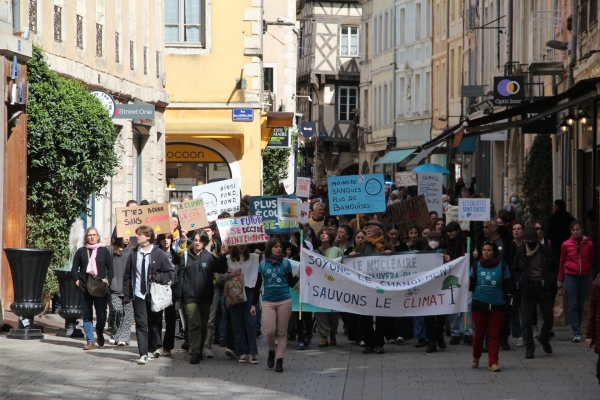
(356, 194)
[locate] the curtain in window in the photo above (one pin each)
(353, 41)
(171, 20)
(192, 20)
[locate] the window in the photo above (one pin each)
(79, 31)
(417, 96)
(428, 18)
(158, 64)
(57, 24)
(301, 42)
(117, 48)
(593, 13)
(583, 18)
(347, 102)
(385, 105)
(380, 34)
(402, 96)
(427, 105)
(349, 41)
(268, 79)
(145, 60)
(98, 40)
(401, 26)
(418, 21)
(184, 21)
(367, 37)
(33, 16)
(375, 42)
(385, 33)
(452, 72)
(131, 53)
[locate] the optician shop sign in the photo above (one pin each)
(509, 90)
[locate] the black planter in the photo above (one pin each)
(28, 268)
(70, 308)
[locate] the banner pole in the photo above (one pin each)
(301, 245)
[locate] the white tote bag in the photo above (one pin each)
(161, 296)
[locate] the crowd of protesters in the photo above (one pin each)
(532, 262)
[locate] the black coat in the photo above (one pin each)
(195, 277)
(104, 264)
(160, 269)
(520, 269)
(558, 229)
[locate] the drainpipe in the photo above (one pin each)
(569, 142)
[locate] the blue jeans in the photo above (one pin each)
(576, 287)
(457, 324)
(244, 326)
(419, 327)
(88, 303)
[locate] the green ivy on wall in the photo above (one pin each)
(70, 156)
(275, 169)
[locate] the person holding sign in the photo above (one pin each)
(276, 273)
(492, 285)
(195, 290)
(374, 243)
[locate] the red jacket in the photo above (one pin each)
(576, 258)
(593, 325)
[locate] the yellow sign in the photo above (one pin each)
(183, 152)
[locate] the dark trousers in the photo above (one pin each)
(373, 337)
(598, 369)
(304, 327)
(148, 326)
(170, 322)
(529, 302)
(434, 327)
(354, 331)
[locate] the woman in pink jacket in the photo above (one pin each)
(576, 257)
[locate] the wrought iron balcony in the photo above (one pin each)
(546, 25)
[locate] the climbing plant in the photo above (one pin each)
(535, 181)
(275, 168)
(70, 156)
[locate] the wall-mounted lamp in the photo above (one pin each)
(570, 119)
(564, 126)
(584, 117)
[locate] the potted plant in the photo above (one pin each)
(28, 268)
(70, 308)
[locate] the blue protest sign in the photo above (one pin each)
(356, 194)
(474, 209)
(266, 208)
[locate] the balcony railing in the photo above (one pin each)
(269, 100)
(546, 25)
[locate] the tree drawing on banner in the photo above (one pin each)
(451, 282)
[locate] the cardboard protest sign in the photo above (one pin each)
(156, 216)
(302, 187)
(452, 215)
(396, 265)
(356, 194)
(304, 213)
(407, 178)
(430, 185)
(288, 209)
(222, 196)
(266, 208)
(474, 209)
(439, 291)
(241, 230)
(406, 213)
(192, 215)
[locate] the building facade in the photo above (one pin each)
(328, 83)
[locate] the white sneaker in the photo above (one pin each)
(399, 340)
(229, 353)
(362, 343)
(121, 344)
(157, 353)
(520, 342)
(112, 341)
(576, 338)
(535, 332)
(143, 360)
(243, 359)
(208, 353)
(151, 357)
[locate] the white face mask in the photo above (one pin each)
(434, 245)
(445, 204)
(513, 199)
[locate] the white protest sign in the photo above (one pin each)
(394, 266)
(452, 215)
(302, 187)
(474, 209)
(328, 284)
(222, 196)
(241, 230)
(430, 185)
(288, 209)
(304, 213)
(406, 178)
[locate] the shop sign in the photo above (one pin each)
(509, 90)
(280, 138)
(219, 197)
(243, 114)
(156, 216)
(181, 153)
(308, 129)
(134, 111)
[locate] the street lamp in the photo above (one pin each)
(557, 45)
(570, 119)
(588, 54)
(564, 126)
(584, 117)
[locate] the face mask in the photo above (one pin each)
(445, 204)
(434, 245)
(513, 199)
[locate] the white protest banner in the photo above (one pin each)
(192, 214)
(302, 187)
(474, 209)
(241, 230)
(452, 215)
(304, 213)
(288, 209)
(328, 284)
(430, 185)
(406, 178)
(222, 196)
(394, 266)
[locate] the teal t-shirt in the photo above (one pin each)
(489, 284)
(275, 281)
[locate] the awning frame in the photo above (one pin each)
(404, 154)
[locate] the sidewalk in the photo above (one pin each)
(57, 367)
